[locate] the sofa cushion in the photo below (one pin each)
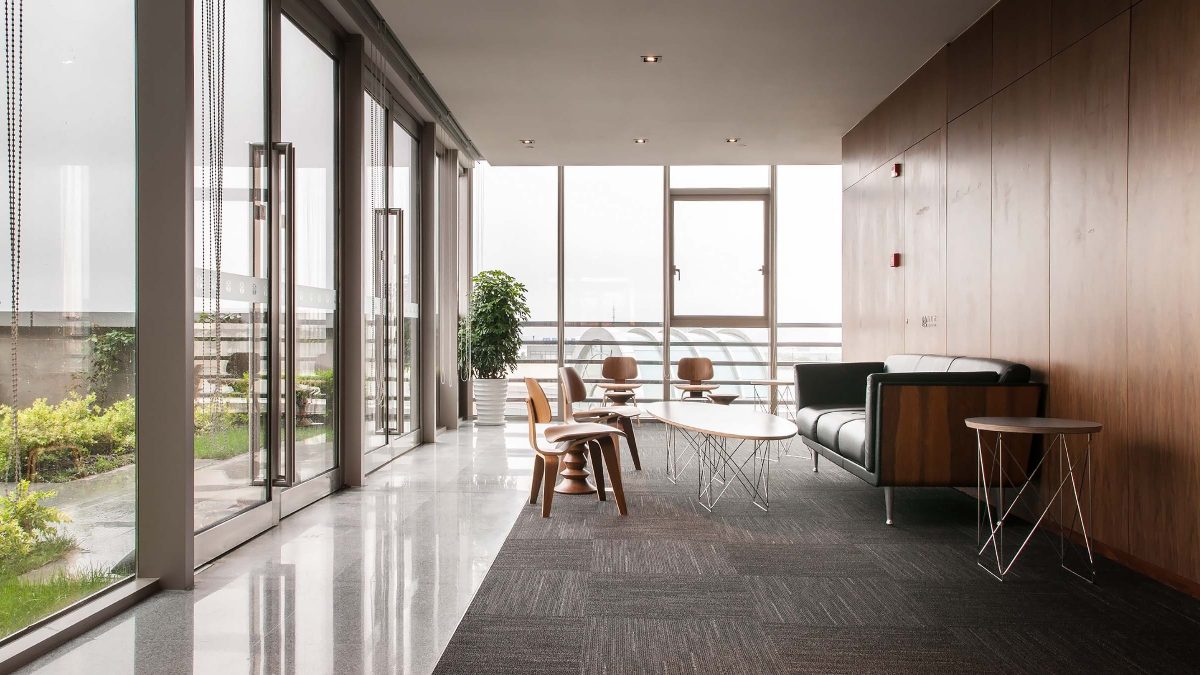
(852, 441)
(806, 418)
(830, 425)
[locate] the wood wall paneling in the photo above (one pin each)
(1071, 241)
(918, 105)
(924, 240)
(1020, 213)
(969, 232)
(1164, 285)
(1088, 171)
(1021, 39)
(969, 68)
(873, 292)
(1073, 19)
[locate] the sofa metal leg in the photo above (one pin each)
(814, 456)
(887, 503)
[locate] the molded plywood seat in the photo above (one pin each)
(619, 370)
(695, 371)
(618, 417)
(573, 444)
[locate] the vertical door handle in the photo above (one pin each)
(283, 315)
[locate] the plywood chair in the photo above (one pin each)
(619, 369)
(695, 371)
(620, 417)
(568, 456)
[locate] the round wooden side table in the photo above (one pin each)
(1074, 476)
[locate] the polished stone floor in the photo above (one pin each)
(368, 580)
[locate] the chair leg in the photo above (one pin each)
(597, 469)
(550, 477)
(539, 467)
(887, 503)
(612, 461)
(627, 427)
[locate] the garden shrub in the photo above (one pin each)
(61, 438)
(25, 522)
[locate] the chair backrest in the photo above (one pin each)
(573, 389)
(619, 368)
(695, 369)
(538, 408)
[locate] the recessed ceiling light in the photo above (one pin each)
(526, 141)
(640, 141)
(651, 58)
(731, 139)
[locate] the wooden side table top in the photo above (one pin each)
(1033, 425)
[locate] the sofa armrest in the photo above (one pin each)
(833, 383)
(918, 435)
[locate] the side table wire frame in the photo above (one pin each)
(1070, 473)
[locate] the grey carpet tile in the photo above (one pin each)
(825, 601)
(668, 596)
(675, 647)
(816, 585)
(484, 644)
(884, 650)
(758, 530)
(544, 554)
(800, 559)
(659, 556)
(1070, 649)
(528, 593)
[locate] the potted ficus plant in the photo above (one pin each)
(489, 340)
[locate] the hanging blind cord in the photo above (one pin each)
(14, 75)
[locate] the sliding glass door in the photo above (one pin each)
(390, 255)
(266, 271)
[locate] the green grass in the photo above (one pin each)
(24, 602)
(232, 442)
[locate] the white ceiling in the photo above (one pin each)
(789, 77)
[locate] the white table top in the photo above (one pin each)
(720, 420)
(771, 383)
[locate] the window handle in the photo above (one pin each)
(678, 273)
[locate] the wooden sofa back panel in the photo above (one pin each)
(924, 442)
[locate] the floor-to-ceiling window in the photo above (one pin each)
(750, 275)
(808, 265)
(67, 399)
(518, 234)
(403, 200)
(612, 270)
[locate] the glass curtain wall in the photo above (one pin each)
(613, 227)
(612, 271)
(67, 376)
(518, 234)
(809, 265)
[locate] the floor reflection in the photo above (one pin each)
(369, 580)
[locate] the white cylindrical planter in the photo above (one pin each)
(489, 401)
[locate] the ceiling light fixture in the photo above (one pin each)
(651, 58)
(640, 141)
(526, 141)
(731, 139)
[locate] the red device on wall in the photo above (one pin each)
(895, 260)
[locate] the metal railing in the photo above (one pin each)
(745, 356)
